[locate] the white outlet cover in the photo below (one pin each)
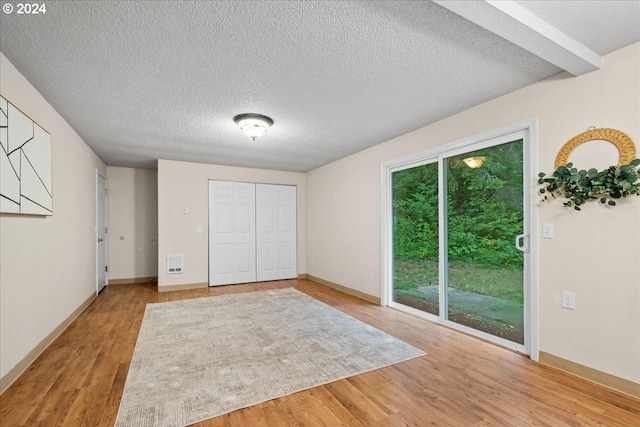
(568, 300)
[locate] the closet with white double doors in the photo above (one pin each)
(252, 232)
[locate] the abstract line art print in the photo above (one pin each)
(25, 164)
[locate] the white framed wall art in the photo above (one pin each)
(25, 164)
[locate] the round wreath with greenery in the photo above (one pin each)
(578, 186)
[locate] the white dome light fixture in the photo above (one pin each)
(253, 125)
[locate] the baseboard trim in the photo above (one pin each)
(344, 289)
(132, 281)
(607, 380)
(186, 286)
(14, 374)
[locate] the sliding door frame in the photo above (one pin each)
(527, 131)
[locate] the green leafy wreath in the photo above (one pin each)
(578, 186)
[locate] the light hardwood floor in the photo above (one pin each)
(462, 381)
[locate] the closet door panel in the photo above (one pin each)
(244, 235)
(232, 235)
(286, 200)
(276, 232)
(266, 232)
(220, 233)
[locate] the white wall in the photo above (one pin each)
(44, 259)
(133, 223)
(595, 252)
(183, 184)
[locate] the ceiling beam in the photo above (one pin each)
(519, 26)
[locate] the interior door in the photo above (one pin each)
(232, 257)
(276, 232)
(101, 232)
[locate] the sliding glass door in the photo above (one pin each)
(459, 246)
(415, 238)
(484, 214)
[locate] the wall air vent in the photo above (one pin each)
(175, 263)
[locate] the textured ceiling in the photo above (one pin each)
(146, 80)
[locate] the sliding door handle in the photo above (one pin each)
(522, 242)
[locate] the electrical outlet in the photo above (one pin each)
(547, 231)
(313, 262)
(568, 300)
(371, 276)
(75, 288)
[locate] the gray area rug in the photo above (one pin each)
(200, 358)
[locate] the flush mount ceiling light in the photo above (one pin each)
(253, 125)
(474, 162)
